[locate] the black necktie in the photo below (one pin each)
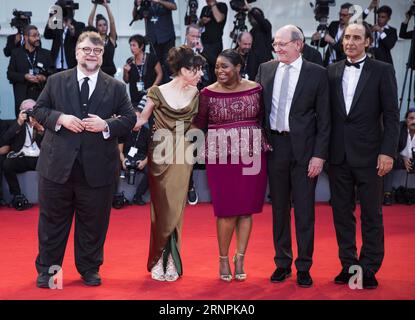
(356, 64)
(84, 95)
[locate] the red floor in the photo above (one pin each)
(124, 270)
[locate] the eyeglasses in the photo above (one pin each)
(282, 45)
(88, 50)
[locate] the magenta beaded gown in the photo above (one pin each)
(234, 150)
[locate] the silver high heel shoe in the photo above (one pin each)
(238, 257)
(224, 277)
(157, 272)
(171, 271)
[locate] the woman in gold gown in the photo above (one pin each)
(173, 106)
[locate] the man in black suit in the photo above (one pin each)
(297, 124)
(24, 136)
(404, 157)
(68, 36)
(27, 68)
(384, 36)
(364, 139)
(79, 160)
(333, 36)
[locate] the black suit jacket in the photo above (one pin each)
(312, 55)
(15, 136)
(372, 125)
(19, 66)
(69, 44)
(309, 117)
(99, 156)
(337, 47)
(383, 51)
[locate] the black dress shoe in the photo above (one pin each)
(343, 277)
(304, 279)
(42, 280)
(280, 274)
(91, 278)
(369, 280)
(387, 199)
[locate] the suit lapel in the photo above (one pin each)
(98, 93)
(302, 79)
(339, 85)
(72, 91)
(364, 77)
(269, 86)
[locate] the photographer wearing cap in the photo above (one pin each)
(24, 138)
(28, 68)
(64, 41)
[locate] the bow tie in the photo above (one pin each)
(356, 64)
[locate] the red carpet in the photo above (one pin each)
(124, 270)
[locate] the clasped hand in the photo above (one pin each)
(92, 124)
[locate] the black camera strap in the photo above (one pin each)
(32, 63)
(142, 68)
(32, 140)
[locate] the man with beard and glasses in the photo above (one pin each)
(244, 48)
(79, 160)
(26, 68)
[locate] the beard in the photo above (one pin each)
(90, 68)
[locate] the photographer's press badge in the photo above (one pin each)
(133, 151)
(140, 86)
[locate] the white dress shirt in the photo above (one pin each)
(30, 148)
(350, 80)
(410, 143)
(294, 76)
(58, 62)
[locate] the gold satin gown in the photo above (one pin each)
(169, 182)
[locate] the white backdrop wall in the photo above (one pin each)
(279, 12)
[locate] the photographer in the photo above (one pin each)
(4, 150)
(20, 21)
(405, 159)
(261, 37)
(64, 58)
(333, 36)
(244, 48)
(159, 27)
(213, 19)
(24, 138)
(28, 68)
(309, 53)
(133, 155)
(141, 71)
(110, 40)
(403, 32)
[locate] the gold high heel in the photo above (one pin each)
(239, 276)
(224, 277)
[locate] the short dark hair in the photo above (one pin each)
(192, 26)
(346, 5)
(28, 29)
(94, 37)
(368, 30)
(141, 40)
(255, 11)
(385, 9)
(233, 56)
(410, 110)
(183, 57)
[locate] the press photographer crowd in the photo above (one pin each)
(31, 65)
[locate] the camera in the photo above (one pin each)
(29, 113)
(99, 1)
(21, 19)
(119, 200)
(68, 8)
(142, 102)
(191, 13)
(321, 10)
(131, 170)
(20, 202)
(239, 5)
(412, 161)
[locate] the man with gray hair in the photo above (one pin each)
(297, 124)
(24, 137)
(79, 160)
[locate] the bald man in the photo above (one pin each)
(363, 144)
(244, 48)
(297, 124)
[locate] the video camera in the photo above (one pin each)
(321, 10)
(68, 8)
(131, 170)
(21, 19)
(99, 1)
(239, 5)
(191, 13)
(142, 12)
